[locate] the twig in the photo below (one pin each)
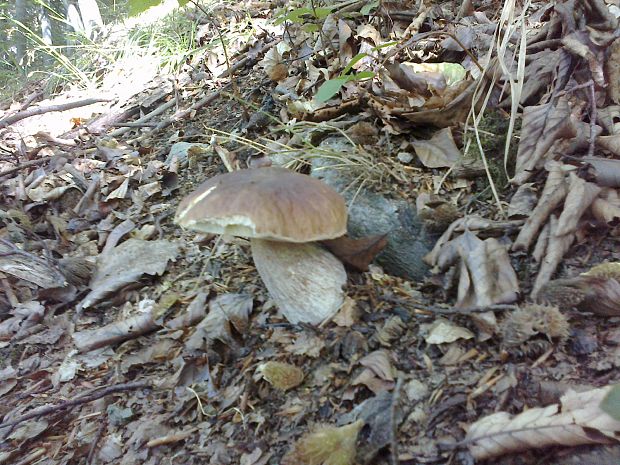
(247, 60)
(95, 441)
(592, 119)
(25, 164)
(133, 124)
(157, 111)
(465, 310)
(394, 423)
(196, 106)
(40, 110)
(82, 399)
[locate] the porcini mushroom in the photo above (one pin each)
(283, 213)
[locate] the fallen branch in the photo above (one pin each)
(25, 164)
(82, 399)
(179, 115)
(40, 110)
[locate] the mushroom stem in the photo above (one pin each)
(304, 280)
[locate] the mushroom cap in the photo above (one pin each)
(266, 203)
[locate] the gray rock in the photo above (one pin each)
(371, 213)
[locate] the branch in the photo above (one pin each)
(40, 110)
(82, 399)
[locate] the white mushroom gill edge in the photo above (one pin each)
(304, 280)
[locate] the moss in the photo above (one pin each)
(492, 131)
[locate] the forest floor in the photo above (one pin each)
(125, 339)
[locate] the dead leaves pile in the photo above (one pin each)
(221, 367)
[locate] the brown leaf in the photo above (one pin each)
(606, 171)
(486, 276)
(356, 253)
(612, 67)
(542, 125)
(579, 198)
(557, 246)
(439, 151)
(553, 194)
(574, 421)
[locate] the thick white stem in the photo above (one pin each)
(304, 280)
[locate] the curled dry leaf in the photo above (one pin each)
(606, 171)
(612, 68)
(380, 364)
(557, 246)
(281, 375)
(572, 422)
(523, 202)
(378, 374)
(443, 331)
(553, 194)
(391, 330)
(445, 252)
(487, 276)
(116, 332)
(580, 196)
(542, 125)
(606, 211)
(29, 267)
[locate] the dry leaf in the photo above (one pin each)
(579, 198)
(557, 246)
(224, 310)
(443, 331)
(612, 68)
(542, 125)
(439, 151)
(606, 170)
(578, 419)
(380, 364)
(356, 253)
(126, 263)
(553, 194)
(486, 275)
(523, 202)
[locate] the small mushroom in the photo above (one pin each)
(283, 213)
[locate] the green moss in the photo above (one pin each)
(492, 131)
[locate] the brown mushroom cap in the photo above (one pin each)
(267, 203)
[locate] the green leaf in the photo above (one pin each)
(138, 6)
(361, 75)
(611, 403)
(322, 13)
(310, 27)
(366, 9)
(294, 16)
(352, 62)
(330, 88)
(453, 72)
(297, 15)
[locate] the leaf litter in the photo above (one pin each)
(125, 340)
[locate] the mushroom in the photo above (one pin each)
(283, 213)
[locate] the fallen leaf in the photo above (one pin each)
(443, 331)
(572, 422)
